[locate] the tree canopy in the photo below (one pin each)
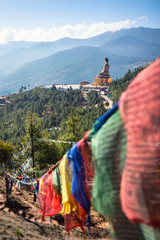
(51, 106)
(52, 113)
(117, 86)
(6, 152)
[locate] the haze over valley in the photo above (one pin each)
(68, 60)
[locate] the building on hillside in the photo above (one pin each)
(103, 79)
(84, 83)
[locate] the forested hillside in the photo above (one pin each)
(119, 85)
(52, 107)
(49, 113)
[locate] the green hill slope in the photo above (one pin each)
(53, 107)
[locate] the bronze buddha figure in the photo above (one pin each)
(105, 71)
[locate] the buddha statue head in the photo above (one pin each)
(106, 66)
(106, 60)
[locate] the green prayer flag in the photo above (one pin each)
(109, 156)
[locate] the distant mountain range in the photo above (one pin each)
(73, 60)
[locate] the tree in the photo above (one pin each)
(41, 151)
(72, 132)
(33, 131)
(69, 131)
(118, 86)
(6, 152)
(107, 103)
(47, 154)
(21, 89)
(92, 98)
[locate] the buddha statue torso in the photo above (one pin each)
(105, 71)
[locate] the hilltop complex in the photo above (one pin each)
(103, 78)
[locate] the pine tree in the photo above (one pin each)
(6, 152)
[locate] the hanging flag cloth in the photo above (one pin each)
(79, 186)
(66, 178)
(49, 199)
(56, 180)
(86, 153)
(140, 111)
(101, 120)
(109, 155)
(71, 210)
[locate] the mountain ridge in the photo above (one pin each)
(68, 66)
(125, 49)
(30, 51)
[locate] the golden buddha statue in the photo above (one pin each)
(105, 71)
(103, 78)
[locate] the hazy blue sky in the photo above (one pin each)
(49, 20)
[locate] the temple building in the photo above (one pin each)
(103, 78)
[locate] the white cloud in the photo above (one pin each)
(7, 34)
(145, 18)
(76, 31)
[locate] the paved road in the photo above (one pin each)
(109, 100)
